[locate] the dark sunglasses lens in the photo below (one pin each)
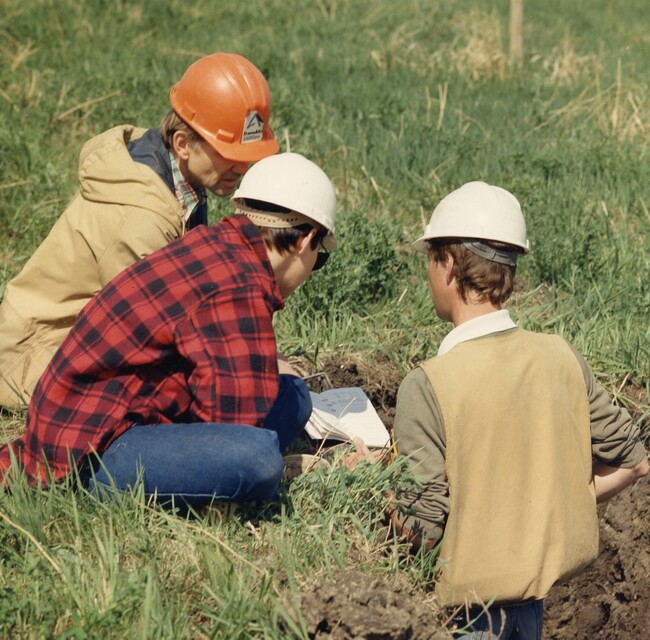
(321, 259)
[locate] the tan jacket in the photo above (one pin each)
(518, 461)
(122, 212)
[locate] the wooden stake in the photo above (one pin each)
(516, 31)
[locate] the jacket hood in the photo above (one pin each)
(108, 174)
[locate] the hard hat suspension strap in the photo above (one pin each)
(501, 255)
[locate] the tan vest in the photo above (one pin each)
(518, 460)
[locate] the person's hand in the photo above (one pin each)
(362, 453)
(285, 367)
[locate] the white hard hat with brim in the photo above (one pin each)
(477, 211)
(291, 181)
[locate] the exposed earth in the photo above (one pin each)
(610, 600)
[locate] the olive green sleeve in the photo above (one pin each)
(615, 439)
(420, 436)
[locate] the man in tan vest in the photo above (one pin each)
(511, 437)
(138, 190)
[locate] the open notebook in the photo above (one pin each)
(345, 413)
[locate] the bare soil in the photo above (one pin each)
(610, 600)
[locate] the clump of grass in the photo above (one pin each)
(565, 66)
(12, 423)
(482, 55)
(619, 111)
(125, 564)
(365, 269)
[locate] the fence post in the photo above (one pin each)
(516, 31)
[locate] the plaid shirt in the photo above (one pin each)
(184, 335)
(190, 199)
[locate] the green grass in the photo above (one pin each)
(400, 103)
(124, 569)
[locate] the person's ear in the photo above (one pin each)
(304, 243)
(181, 145)
(449, 268)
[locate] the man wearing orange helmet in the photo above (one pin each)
(139, 189)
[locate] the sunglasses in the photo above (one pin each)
(321, 258)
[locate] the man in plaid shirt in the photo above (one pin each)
(172, 368)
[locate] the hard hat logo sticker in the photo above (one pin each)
(253, 128)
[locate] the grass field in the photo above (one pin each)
(400, 103)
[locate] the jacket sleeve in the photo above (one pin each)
(419, 434)
(230, 344)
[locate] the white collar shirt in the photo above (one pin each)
(477, 328)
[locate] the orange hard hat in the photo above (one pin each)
(225, 98)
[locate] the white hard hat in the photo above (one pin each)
(290, 181)
(477, 211)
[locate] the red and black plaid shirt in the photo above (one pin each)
(184, 335)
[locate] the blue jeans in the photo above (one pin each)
(197, 463)
(515, 622)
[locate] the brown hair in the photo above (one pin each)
(488, 280)
(172, 123)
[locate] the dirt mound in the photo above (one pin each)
(379, 378)
(610, 600)
(367, 606)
